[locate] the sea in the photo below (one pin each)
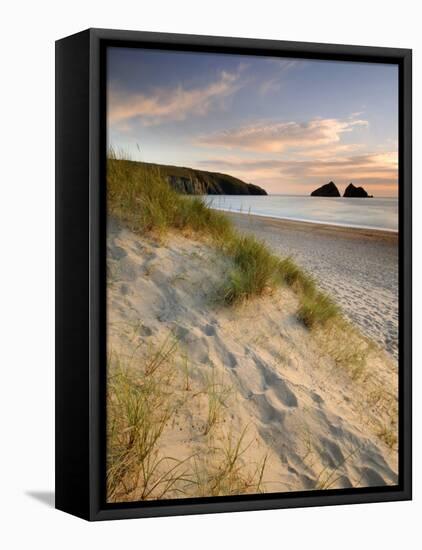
(367, 213)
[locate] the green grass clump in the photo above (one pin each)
(140, 196)
(258, 270)
(255, 269)
(296, 277)
(316, 308)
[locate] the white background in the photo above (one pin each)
(27, 273)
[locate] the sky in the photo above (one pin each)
(288, 125)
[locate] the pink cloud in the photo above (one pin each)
(276, 137)
(169, 104)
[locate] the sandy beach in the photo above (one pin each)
(357, 267)
(302, 416)
(252, 276)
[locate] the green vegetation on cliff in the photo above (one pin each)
(199, 182)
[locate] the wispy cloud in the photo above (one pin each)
(170, 104)
(270, 86)
(370, 163)
(274, 84)
(276, 137)
(284, 63)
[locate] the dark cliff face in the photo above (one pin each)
(327, 190)
(255, 189)
(190, 186)
(357, 192)
(198, 182)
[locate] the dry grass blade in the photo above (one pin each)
(327, 478)
(217, 393)
(161, 356)
(138, 410)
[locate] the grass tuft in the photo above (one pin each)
(224, 473)
(296, 277)
(161, 356)
(316, 308)
(137, 412)
(388, 434)
(346, 346)
(140, 196)
(255, 269)
(217, 394)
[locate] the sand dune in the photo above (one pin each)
(358, 267)
(319, 425)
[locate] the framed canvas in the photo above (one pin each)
(233, 276)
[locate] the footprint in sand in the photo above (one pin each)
(117, 252)
(372, 478)
(267, 413)
(331, 452)
(138, 248)
(145, 331)
(230, 360)
(181, 333)
(316, 398)
(199, 351)
(209, 330)
(125, 290)
(275, 383)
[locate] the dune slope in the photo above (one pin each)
(250, 375)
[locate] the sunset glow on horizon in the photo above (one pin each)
(287, 125)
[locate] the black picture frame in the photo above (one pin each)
(80, 273)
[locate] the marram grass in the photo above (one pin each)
(141, 407)
(140, 196)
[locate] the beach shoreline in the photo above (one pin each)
(329, 225)
(306, 225)
(357, 267)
